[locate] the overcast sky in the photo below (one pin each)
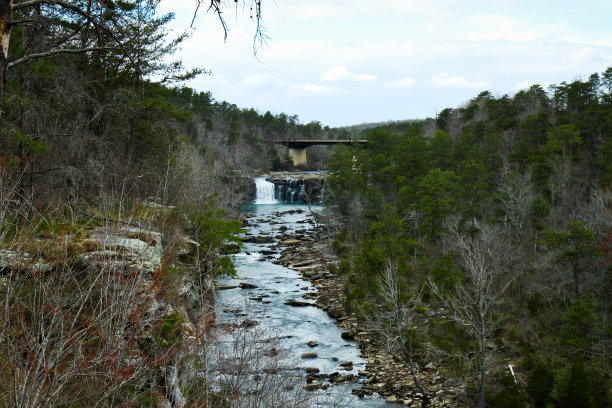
(345, 62)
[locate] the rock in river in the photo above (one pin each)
(299, 303)
(349, 334)
(290, 242)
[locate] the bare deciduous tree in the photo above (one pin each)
(516, 195)
(393, 322)
(473, 304)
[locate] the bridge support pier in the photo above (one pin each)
(297, 148)
(298, 156)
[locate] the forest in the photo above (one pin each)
(480, 238)
(495, 216)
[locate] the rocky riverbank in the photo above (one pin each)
(385, 374)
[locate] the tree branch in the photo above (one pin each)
(77, 10)
(21, 22)
(259, 38)
(54, 52)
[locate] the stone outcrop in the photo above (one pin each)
(129, 260)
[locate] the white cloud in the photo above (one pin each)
(522, 85)
(336, 74)
(313, 89)
(586, 55)
(358, 53)
(350, 9)
(262, 81)
(207, 81)
(365, 78)
(444, 80)
(269, 83)
(402, 83)
(340, 72)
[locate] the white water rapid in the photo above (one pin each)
(265, 192)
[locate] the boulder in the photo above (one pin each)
(297, 303)
(258, 239)
(341, 378)
(347, 365)
(225, 287)
(315, 385)
(22, 261)
(290, 242)
(392, 398)
(349, 334)
(303, 263)
(249, 323)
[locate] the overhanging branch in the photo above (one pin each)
(259, 38)
(55, 52)
(77, 10)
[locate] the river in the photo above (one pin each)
(256, 300)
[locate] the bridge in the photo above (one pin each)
(297, 147)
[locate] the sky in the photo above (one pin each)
(346, 62)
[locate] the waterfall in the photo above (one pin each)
(291, 191)
(265, 191)
(287, 190)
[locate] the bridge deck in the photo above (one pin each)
(303, 143)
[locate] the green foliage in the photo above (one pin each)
(575, 246)
(540, 386)
(574, 388)
(212, 231)
(441, 151)
(451, 340)
(474, 188)
(563, 140)
(536, 303)
(436, 199)
(581, 322)
(509, 396)
(446, 273)
(169, 329)
(30, 144)
(539, 210)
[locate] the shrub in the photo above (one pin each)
(574, 391)
(540, 385)
(509, 396)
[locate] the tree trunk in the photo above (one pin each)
(5, 35)
(482, 373)
(576, 282)
(415, 378)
